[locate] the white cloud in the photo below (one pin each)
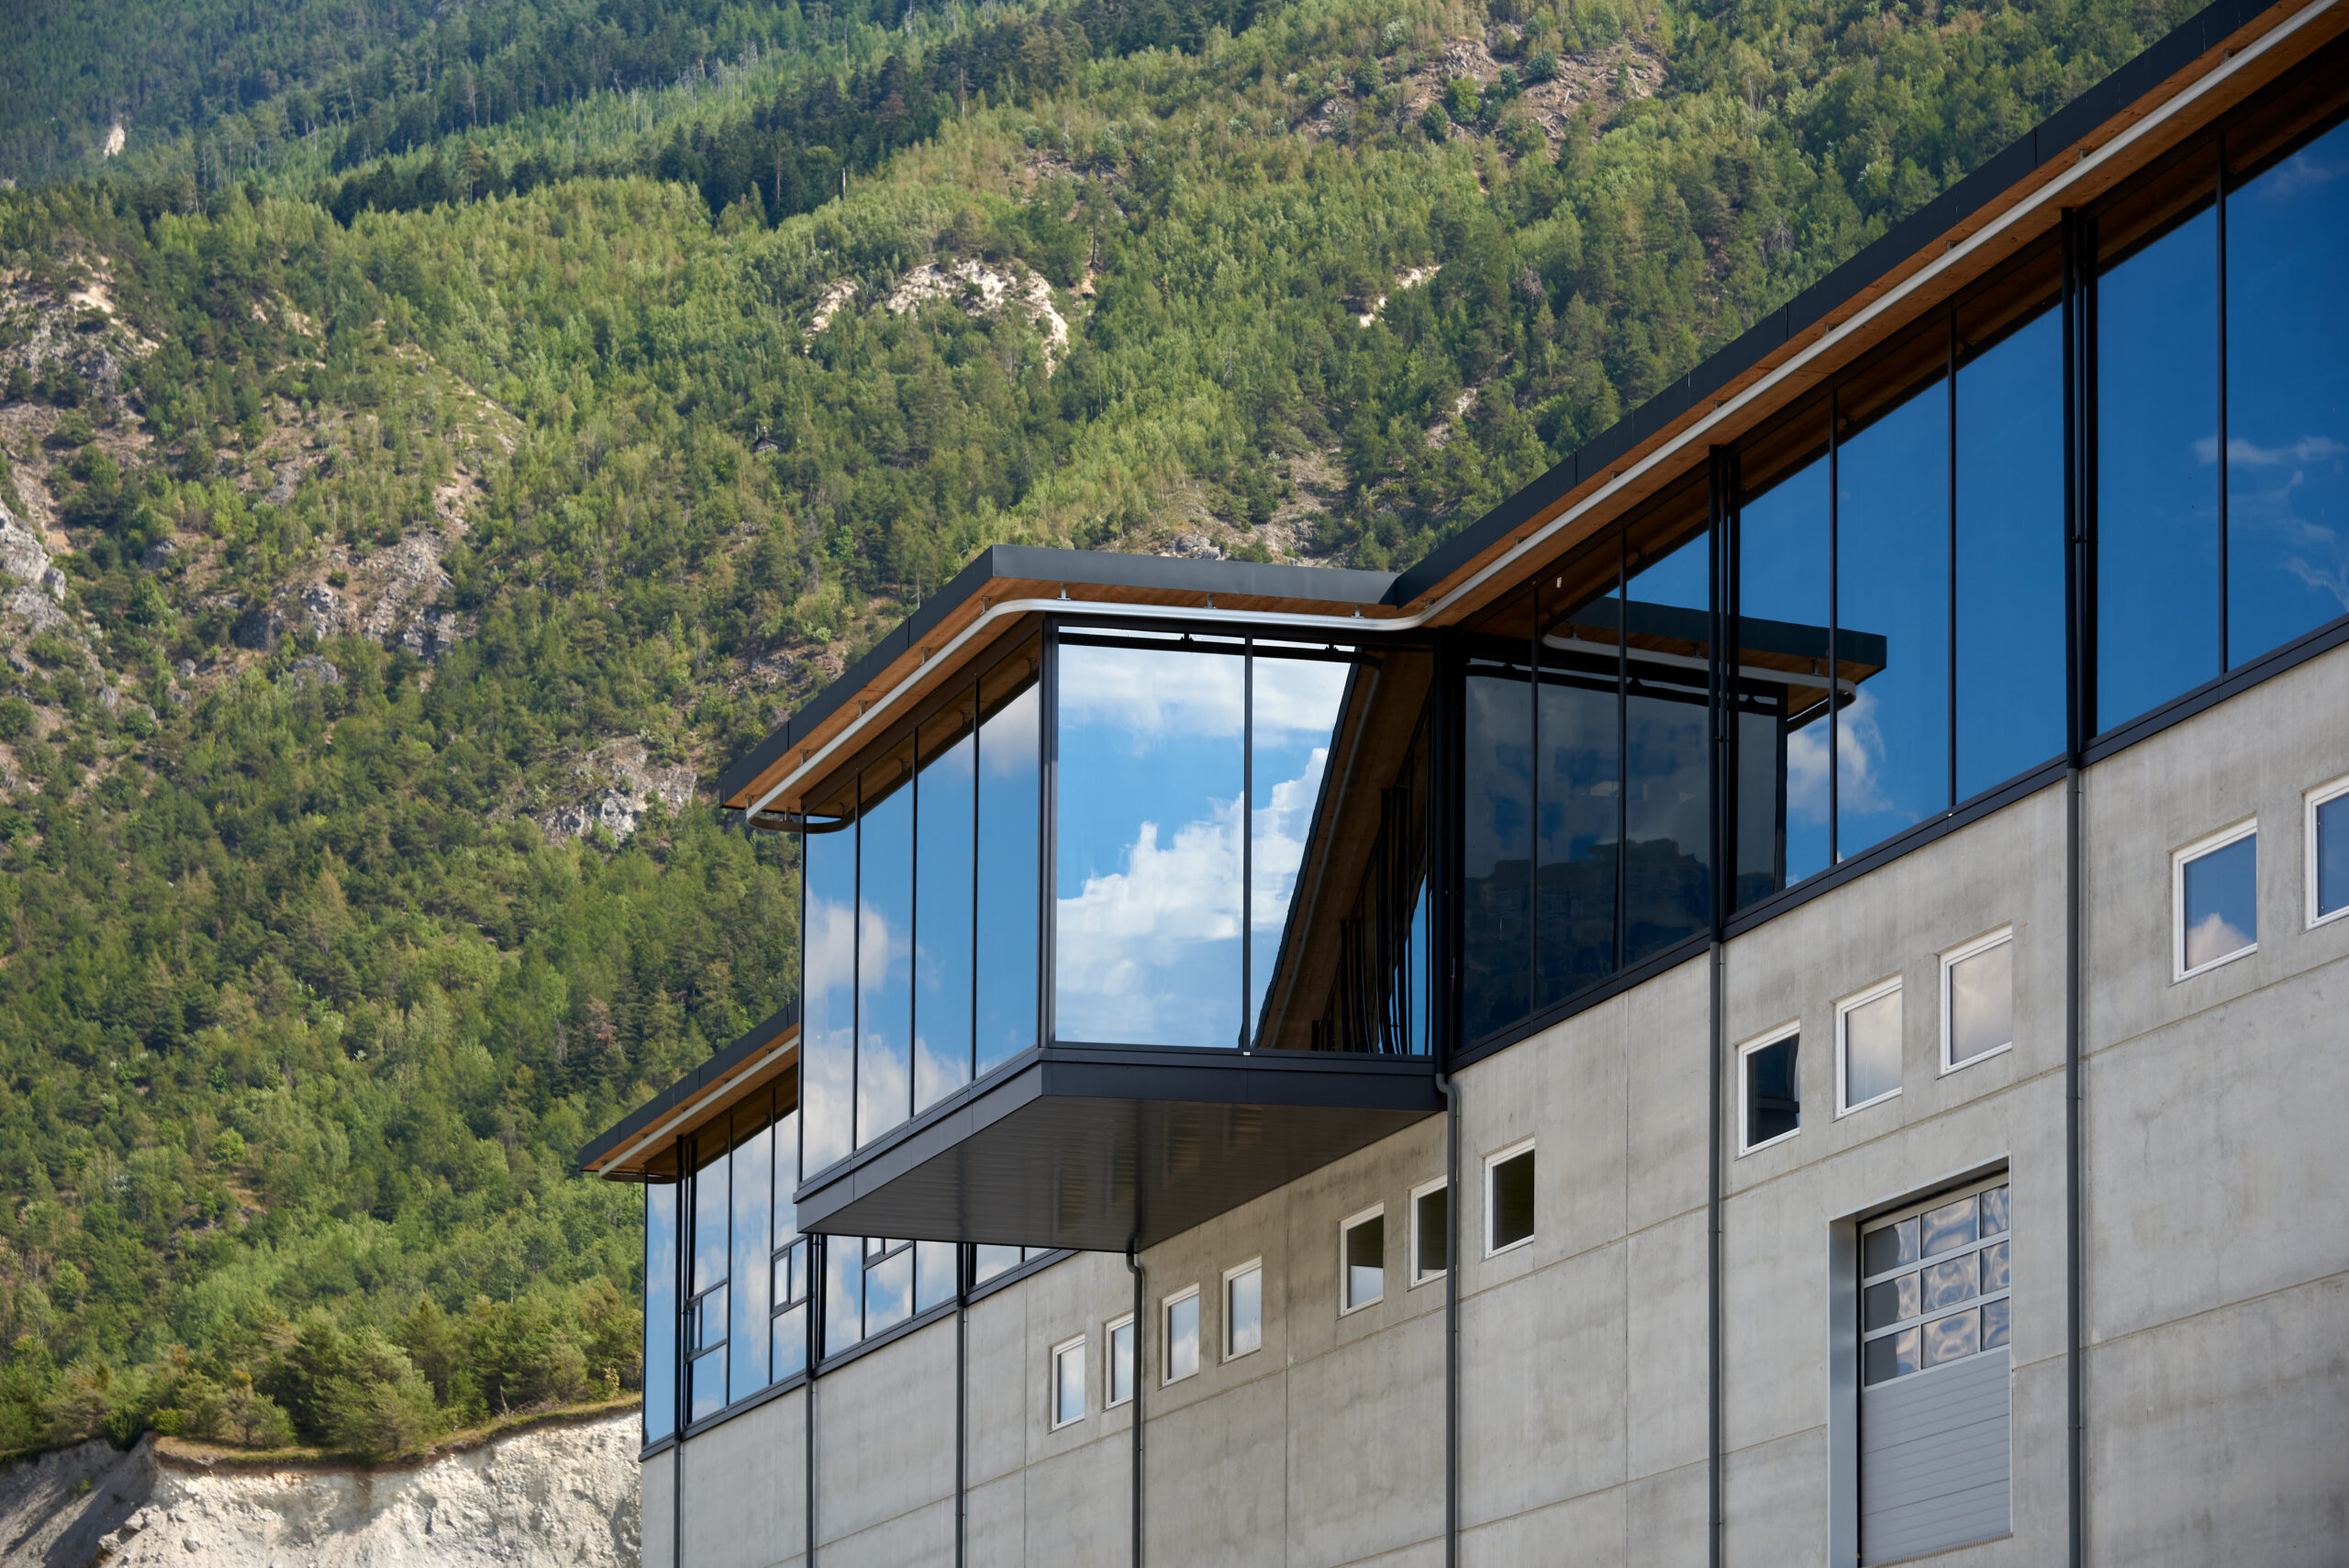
(1859, 761)
(1125, 936)
(1151, 696)
(1280, 830)
(2213, 937)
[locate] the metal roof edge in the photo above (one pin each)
(2126, 83)
(713, 1070)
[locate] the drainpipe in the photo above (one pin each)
(1451, 1319)
(962, 1418)
(2078, 243)
(1717, 1509)
(1141, 1277)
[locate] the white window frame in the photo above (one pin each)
(1950, 960)
(1168, 1375)
(1413, 1273)
(2178, 861)
(1109, 1401)
(1744, 1120)
(1345, 1279)
(1054, 1420)
(1844, 1009)
(1493, 1163)
(1256, 1265)
(2323, 795)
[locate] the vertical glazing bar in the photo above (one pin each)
(2079, 571)
(1621, 955)
(1835, 637)
(978, 767)
(2219, 203)
(1247, 836)
(1949, 388)
(1048, 793)
(1533, 793)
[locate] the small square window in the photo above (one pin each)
(1243, 1309)
(1867, 1047)
(1068, 1383)
(1120, 1336)
(1183, 1334)
(2215, 889)
(1769, 1097)
(1508, 1199)
(1361, 1259)
(2328, 835)
(1978, 999)
(1431, 1231)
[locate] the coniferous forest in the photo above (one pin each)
(433, 438)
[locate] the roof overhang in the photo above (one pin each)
(1096, 1147)
(638, 1148)
(2107, 135)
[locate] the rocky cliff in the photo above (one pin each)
(556, 1494)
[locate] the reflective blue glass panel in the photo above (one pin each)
(1668, 766)
(889, 1290)
(660, 1310)
(1147, 930)
(1578, 784)
(712, 1198)
(786, 1177)
(707, 1377)
(1497, 848)
(2221, 904)
(2288, 399)
(789, 1344)
(2010, 557)
(843, 1292)
(1293, 707)
(1010, 861)
(885, 947)
(1892, 581)
(2157, 480)
(1760, 784)
(828, 1034)
(945, 865)
(933, 1274)
(754, 1204)
(1781, 588)
(990, 1260)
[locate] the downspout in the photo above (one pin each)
(1141, 1277)
(2079, 399)
(1451, 1319)
(679, 1361)
(1724, 776)
(962, 1417)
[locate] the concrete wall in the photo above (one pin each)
(2217, 1272)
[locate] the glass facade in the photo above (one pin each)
(727, 1237)
(920, 929)
(2221, 399)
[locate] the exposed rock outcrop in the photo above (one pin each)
(556, 1496)
(632, 782)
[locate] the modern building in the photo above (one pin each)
(1783, 998)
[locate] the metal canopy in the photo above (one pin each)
(1095, 1146)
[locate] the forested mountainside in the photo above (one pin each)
(443, 435)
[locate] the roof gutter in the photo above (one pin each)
(1725, 412)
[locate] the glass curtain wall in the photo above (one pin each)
(2221, 406)
(1586, 830)
(1188, 770)
(661, 1308)
(920, 929)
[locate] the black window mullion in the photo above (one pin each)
(1835, 664)
(1621, 955)
(2219, 204)
(1048, 748)
(978, 766)
(1949, 378)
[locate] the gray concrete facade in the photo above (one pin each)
(2215, 1276)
